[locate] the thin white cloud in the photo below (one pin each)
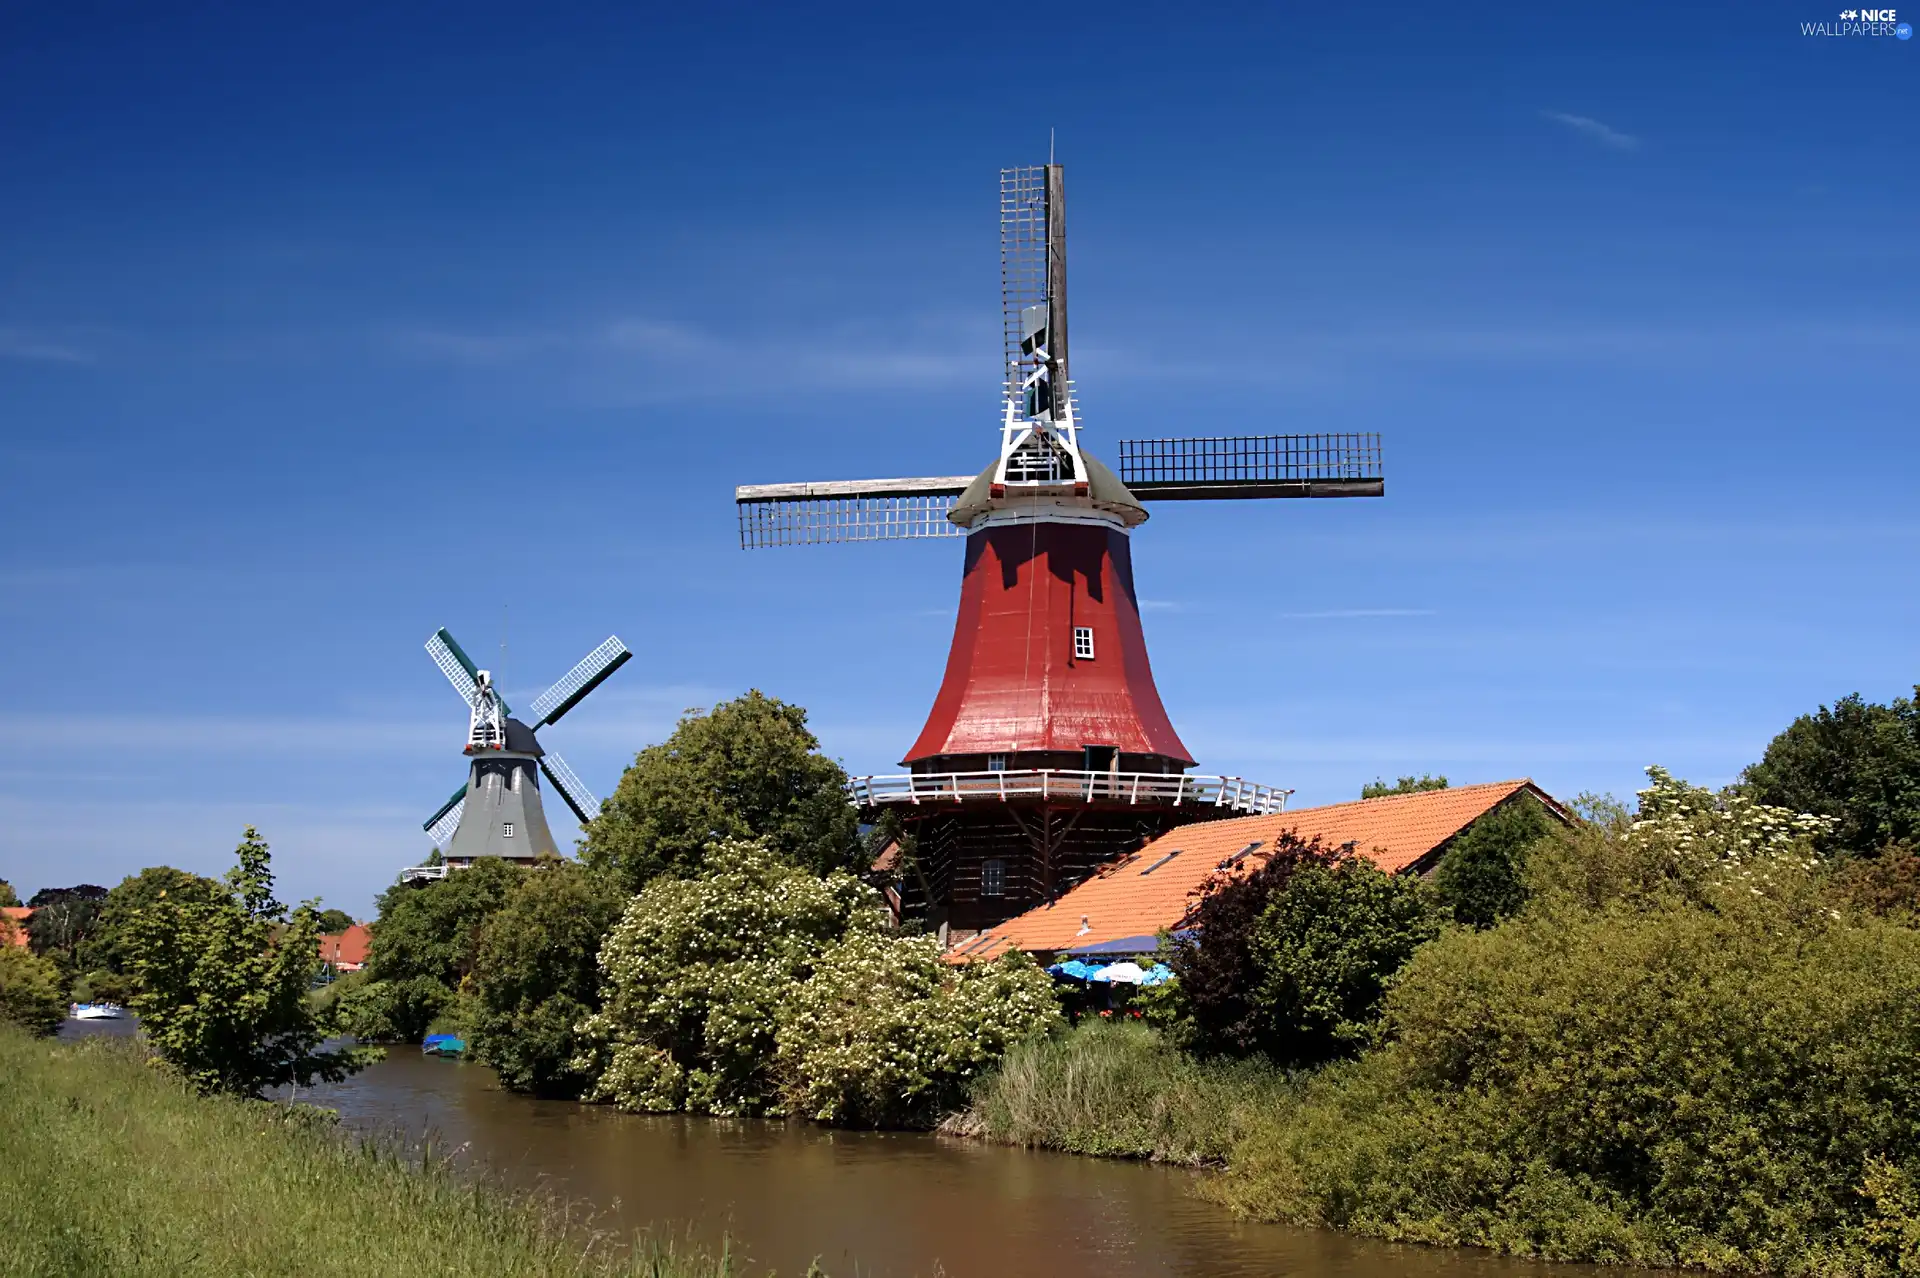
(643, 357)
(1162, 605)
(1330, 614)
(1588, 127)
(18, 344)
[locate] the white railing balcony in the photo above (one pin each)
(1153, 789)
(417, 873)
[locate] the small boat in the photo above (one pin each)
(96, 1011)
(442, 1045)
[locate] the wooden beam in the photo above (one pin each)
(924, 486)
(1242, 489)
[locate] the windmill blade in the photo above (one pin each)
(441, 825)
(847, 510)
(571, 788)
(1239, 466)
(579, 681)
(454, 664)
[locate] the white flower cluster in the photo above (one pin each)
(1724, 839)
(759, 988)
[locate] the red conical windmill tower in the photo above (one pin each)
(1047, 750)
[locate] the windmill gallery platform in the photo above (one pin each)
(1047, 752)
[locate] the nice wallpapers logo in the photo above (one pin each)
(1862, 22)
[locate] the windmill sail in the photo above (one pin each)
(1239, 466)
(571, 788)
(579, 681)
(441, 825)
(848, 510)
(454, 664)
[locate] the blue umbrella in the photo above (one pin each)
(1158, 974)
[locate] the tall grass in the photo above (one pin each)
(1121, 1090)
(108, 1166)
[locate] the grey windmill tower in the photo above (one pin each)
(498, 811)
(1047, 751)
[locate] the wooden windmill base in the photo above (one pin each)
(1041, 849)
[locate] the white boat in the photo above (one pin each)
(96, 1011)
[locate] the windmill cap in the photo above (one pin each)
(1104, 492)
(520, 739)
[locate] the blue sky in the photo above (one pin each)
(323, 327)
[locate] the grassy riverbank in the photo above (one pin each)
(1121, 1090)
(110, 1167)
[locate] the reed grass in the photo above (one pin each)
(110, 1166)
(1121, 1090)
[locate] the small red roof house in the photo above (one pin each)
(346, 951)
(15, 927)
(1121, 908)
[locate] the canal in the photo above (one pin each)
(873, 1204)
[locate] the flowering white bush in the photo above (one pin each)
(759, 988)
(1724, 840)
(886, 1034)
(697, 971)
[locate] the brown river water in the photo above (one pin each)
(878, 1204)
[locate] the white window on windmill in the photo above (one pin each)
(993, 877)
(996, 763)
(506, 829)
(1083, 643)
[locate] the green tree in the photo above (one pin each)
(32, 994)
(8, 897)
(426, 942)
(1482, 876)
(108, 951)
(223, 985)
(1327, 945)
(1378, 789)
(749, 769)
(333, 922)
(1218, 960)
(1858, 762)
(64, 925)
(538, 976)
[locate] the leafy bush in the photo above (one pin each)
(223, 985)
(538, 976)
(1886, 883)
(696, 973)
(749, 769)
(1120, 1089)
(1378, 789)
(1857, 762)
(1706, 1069)
(1325, 947)
(758, 988)
(885, 1034)
(1482, 876)
(1220, 977)
(32, 995)
(426, 942)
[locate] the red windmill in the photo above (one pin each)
(1047, 750)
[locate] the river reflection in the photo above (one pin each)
(864, 1203)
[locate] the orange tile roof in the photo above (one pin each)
(347, 948)
(15, 928)
(1155, 887)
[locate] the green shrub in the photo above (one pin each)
(31, 994)
(1120, 1089)
(885, 1034)
(1219, 968)
(224, 985)
(1482, 876)
(1325, 948)
(696, 973)
(396, 1011)
(538, 976)
(426, 944)
(1710, 1067)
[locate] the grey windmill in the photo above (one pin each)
(498, 811)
